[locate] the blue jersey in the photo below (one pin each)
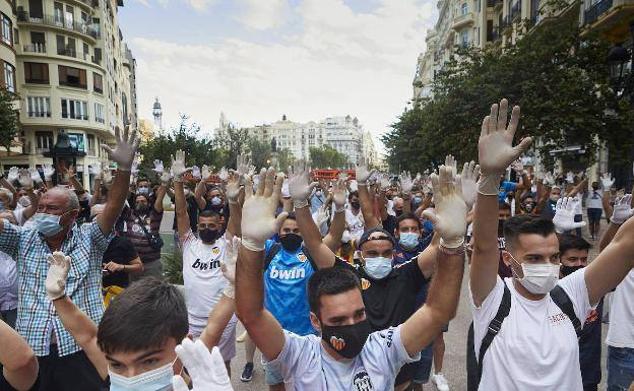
(285, 289)
(505, 188)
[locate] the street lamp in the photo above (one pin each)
(64, 154)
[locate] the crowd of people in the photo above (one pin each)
(341, 285)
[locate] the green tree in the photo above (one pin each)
(234, 143)
(260, 152)
(9, 121)
(327, 157)
(285, 158)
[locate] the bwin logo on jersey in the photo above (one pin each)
(205, 265)
(292, 274)
(362, 382)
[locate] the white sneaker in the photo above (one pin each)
(440, 382)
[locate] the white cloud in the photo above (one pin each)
(264, 14)
(340, 63)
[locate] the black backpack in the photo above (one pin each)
(474, 364)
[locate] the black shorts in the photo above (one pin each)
(594, 214)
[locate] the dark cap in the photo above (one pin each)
(366, 236)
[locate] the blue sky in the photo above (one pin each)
(256, 60)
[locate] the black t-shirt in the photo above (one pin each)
(5, 386)
(389, 224)
(120, 251)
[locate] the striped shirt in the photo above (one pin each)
(37, 319)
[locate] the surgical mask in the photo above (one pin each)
(291, 242)
(318, 193)
(378, 267)
(554, 197)
(143, 190)
(539, 278)
(408, 240)
(159, 379)
(348, 341)
(47, 224)
(208, 235)
(215, 201)
(567, 270)
(142, 209)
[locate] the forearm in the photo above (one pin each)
(76, 184)
(235, 217)
(366, 207)
(337, 226)
(116, 198)
(135, 267)
(96, 192)
(217, 322)
(160, 195)
(321, 253)
(182, 217)
(484, 260)
(407, 204)
(78, 324)
(605, 201)
(608, 235)
(18, 359)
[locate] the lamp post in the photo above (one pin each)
(618, 57)
(64, 154)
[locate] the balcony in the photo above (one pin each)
(69, 52)
(593, 13)
(463, 20)
(611, 18)
(34, 48)
(39, 114)
(81, 28)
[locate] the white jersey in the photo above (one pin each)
(203, 278)
(305, 364)
(536, 348)
(355, 223)
(594, 200)
(578, 206)
(621, 331)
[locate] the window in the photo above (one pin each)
(38, 40)
(35, 72)
(464, 9)
(7, 29)
(69, 18)
(72, 77)
(39, 106)
(97, 81)
(99, 113)
(90, 141)
(74, 109)
(35, 9)
(9, 77)
(58, 9)
(77, 141)
(464, 37)
(44, 140)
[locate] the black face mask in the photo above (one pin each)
(142, 209)
(208, 235)
(355, 204)
(501, 228)
(567, 270)
(291, 242)
(347, 340)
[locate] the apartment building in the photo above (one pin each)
(8, 34)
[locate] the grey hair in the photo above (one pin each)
(8, 193)
(73, 200)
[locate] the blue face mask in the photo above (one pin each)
(378, 267)
(47, 224)
(143, 190)
(417, 200)
(408, 240)
(1, 205)
(159, 379)
(215, 201)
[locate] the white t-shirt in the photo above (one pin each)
(594, 199)
(578, 206)
(202, 276)
(305, 364)
(355, 223)
(621, 331)
(536, 348)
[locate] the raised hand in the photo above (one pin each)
(48, 171)
(339, 194)
(564, 219)
(570, 177)
(158, 167)
(135, 164)
(178, 168)
(406, 182)
(518, 166)
(205, 172)
(123, 154)
(12, 176)
(469, 176)
(55, 284)
(244, 166)
(258, 212)
(233, 187)
(24, 179)
(622, 209)
(206, 369)
(106, 174)
(450, 214)
(196, 172)
(223, 174)
(549, 180)
(384, 182)
(299, 184)
(362, 173)
(607, 181)
(35, 175)
(228, 266)
(95, 171)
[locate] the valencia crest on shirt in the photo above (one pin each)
(302, 257)
(215, 251)
(365, 284)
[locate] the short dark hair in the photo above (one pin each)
(143, 316)
(330, 281)
(353, 194)
(526, 224)
(407, 216)
(527, 195)
(572, 242)
(504, 205)
(209, 213)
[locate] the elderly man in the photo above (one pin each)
(63, 365)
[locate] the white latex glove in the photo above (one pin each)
(570, 177)
(95, 171)
(607, 181)
(158, 167)
(223, 174)
(127, 144)
(106, 176)
(549, 180)
(299, 184)
(384, 182)
(450, 214)
(12, 176)
(286, 193)
(495, 146)
(244, 166)
(564, 219)
(518, 166)
(135, 164)
(233, 187)
(35, 175)
(258, 212)
(178, 168)
(339, 194)
(49, 171)
(406, 182)
(321, 217)
(24, 179)
(622, 210)
(354, 186)
(362, 173)
(206, 369)
(469, 176)
(55, 284)
(228, 266)
(196, 172)
(205, 172)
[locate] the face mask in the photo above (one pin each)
(529, 207)
(143, 190)
(291, 242)
(159, 379)
(567, 270)
(347, 340)
(187, 192)
(47, 224)
(417, 200)
(142, 209)
(215, 201)
(398, 212)
(539, 278)
(24, 201)
(554, 197)
(378, 267)
(355, 204)
(208, 235)
(318, 193)
(408, 239)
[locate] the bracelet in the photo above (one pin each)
(300, 204)
(452, 251)
(340, 210)
(61, 297)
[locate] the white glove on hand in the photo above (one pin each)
(518, 166)
(469, 176)
(258, 212)
(158, 167)
(35, 175)
(406, 182)
(24, 179)
(564, 219)
(49, 171)
(135, 164)
(233, 187)
(178, 167)
(299, 184)
(205, 172)
(362, 173)
(196, 172)
(207, 370)
(94, 170)
(570, 177)
(622, 210)
(607, 181)
(126, 147)
(384, 182)
(244, 166)
(450, 214)
(59, 265)
(223, 174)
(228, 266)
(12, 176)
(354, 186)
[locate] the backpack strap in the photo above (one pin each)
(494, 327)
(561, 298)
(273, 250)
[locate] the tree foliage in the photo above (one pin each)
(9, 122)
(327, 157)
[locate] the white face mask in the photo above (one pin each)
(378, 267)
(159, 379)
(539, 278)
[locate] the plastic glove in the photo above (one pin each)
(59, 265)
(228, 266)
(206, 369)
(607, 181)
(12, 176)
(354, 186)
(339, 195)
(24, 179)
(205, 172)
(549, 180)
(244, 166)
(95, 171)
(362, 173)
(158, 167)
(469, 176)
(384, 182)
(35, 175)
(178, 168)
(564, 219)
(196, 172)
(518, 166)
(233, 187)
(135, 164)
(570, 177)
(223, 174)
(450, 214)
(258, 212)
(123, 154)
(406, 182)
(321, 219)
(48, 171)
(622, 210)
(299, 184)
